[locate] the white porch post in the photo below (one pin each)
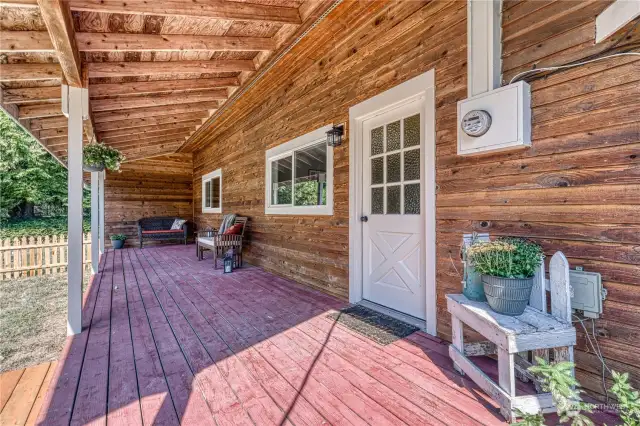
(72, 107)
(101, 210)
(95, 219)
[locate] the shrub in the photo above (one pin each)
(97, 154)
(506, 257)
(118, 237)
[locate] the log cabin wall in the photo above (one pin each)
(575, 190)
(159, 186)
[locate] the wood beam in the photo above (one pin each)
(127, 69)
(52, 133)
(151, 121)
(114, 42)
(43, 110)
(48, 123)
(25, 41)
(147, 145)
(157, 100)
(57, 18)
(21, 72)
(147, 130)
(202, 9)
(101, 117)
(176, 133)
(32, 94)
(59, 141)
(160, 86)
(148, 153)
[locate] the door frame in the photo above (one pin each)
(417, 87)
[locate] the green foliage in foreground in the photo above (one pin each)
(17, 228)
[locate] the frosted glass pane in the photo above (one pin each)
(377, 170)
(412, 164)
(412, 131)
(377, 200)
(393, 199)
(377, 140)
(393, 136)
(412, 198)
(393, 168)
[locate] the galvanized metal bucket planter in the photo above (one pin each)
(507, 296)
(93, 168)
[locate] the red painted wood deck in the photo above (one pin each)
(167, 340)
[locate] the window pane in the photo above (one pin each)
(281, 175)
(393, 136)
(377, 200)
(412, 131)
(377, 170)
(377, 140)
(215, 192)
(310, 187)
(207, 193)
(412, 198)
(393, 199)
(412, 165)
(393, 168)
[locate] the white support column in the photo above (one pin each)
(101, 210)
(484, 45)
(95, 222)
(72, 107)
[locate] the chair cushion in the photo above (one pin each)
(234, 229)
(161, 231)
(177, 224)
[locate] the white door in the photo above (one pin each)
(393, 209)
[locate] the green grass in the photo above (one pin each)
(33, 320)
(17, 228)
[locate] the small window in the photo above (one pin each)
(212, 192)
(299, 176)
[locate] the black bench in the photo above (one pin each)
(159, 229)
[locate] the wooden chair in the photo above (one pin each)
(220, 244)
(510, 338)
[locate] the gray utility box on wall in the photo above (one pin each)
(587, 293)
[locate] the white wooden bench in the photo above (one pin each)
(510, 337)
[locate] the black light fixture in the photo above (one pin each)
(228, 263)
(334, 136)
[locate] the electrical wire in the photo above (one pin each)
(596, 350)
(559, 67)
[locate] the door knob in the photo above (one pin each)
(364, 219)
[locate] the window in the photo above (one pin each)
(212, 192)
(299, 176)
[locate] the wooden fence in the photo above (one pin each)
(44, 255)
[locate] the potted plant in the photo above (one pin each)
(98, 156)
(117, 240)
(507, 266)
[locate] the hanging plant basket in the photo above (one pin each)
(98, 156)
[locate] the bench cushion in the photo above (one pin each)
(163, 231)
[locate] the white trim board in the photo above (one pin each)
(616, 16)
(422, 86)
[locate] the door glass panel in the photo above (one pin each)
(377, 140)
(377, 170)
(281, 184)
(393, 199)
(393, 136)
(412, 131)
(412, 165)
(377, 200)
(393, 168)
(412, 198)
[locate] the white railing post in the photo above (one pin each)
(72, 107)
(95, 219)
(101, 210)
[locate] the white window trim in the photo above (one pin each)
(205, 178)
(287, 149)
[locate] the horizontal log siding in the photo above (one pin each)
(159, 186)
(575, 189)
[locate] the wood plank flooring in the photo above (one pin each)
(22, 392)
(168, 340)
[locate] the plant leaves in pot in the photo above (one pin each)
(507, 266)
(117, 240)
(97, 157)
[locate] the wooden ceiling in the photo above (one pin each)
(156, 70)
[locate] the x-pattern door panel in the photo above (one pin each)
(393, 246)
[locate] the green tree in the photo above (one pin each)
(29, 175)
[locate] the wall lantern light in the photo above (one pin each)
(334, 136)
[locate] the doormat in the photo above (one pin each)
(380, 328)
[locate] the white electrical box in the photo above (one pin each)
(509, 126)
